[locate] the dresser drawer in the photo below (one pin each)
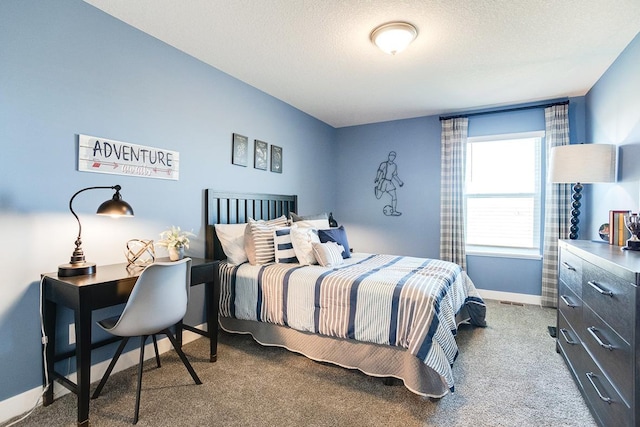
(569, 305)
(612, 354)
(606, 404)
(570, 345)
(611, 297)
(570, 271)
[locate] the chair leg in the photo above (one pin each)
(106, 375)
(186, 363)
(137, 411)
(155, 346)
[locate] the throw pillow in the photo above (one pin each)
(338, 235)
(231, 238)
(313, 221)
(258, 239)
(283, 246)
(328, 254)
(302, 239)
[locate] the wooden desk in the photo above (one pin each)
(111, 285)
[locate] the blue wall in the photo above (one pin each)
(68, 68)
(417, 231)
(613, 117)
(360, 151)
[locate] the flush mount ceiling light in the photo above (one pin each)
(394, 37)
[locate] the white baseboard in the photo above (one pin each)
(24, 402)
(510, 297)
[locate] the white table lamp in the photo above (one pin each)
(581, 164)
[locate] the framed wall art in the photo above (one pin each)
(276, 159)
(260, 155)
(101, 155)
(240, 150)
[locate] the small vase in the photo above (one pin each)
(176, 253)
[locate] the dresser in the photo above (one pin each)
(598, 327)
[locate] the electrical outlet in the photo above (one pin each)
(72, 333)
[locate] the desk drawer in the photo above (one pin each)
(569, 305)
(611, 297)
(570, 271)
(612, 354)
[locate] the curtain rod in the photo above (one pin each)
(505, 110)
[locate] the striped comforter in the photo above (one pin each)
(400, 301)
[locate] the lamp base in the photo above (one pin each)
(79, 269)
(575, 211)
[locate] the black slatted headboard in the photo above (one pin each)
(237, 208)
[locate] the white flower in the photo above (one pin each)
(174, 237)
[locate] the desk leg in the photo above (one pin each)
(83, 360)
(212, 309)
(49, 321)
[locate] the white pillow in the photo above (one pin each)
(258, 239)
(231, 238)
(328, 254)
(317, 221)
(283, 246)
(314, 223)
(302, 239)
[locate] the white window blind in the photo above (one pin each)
(503, 191)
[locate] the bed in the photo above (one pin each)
(387, 316)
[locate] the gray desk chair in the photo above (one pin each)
(158, 301)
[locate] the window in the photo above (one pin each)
(503, 193)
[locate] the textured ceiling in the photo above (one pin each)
(469, 54)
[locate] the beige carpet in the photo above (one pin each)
(507, 374)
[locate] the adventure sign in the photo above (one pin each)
(102, 155)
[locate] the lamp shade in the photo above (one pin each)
(394, 37)
(115, 207)
(582, 163)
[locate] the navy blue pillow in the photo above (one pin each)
(338, 235)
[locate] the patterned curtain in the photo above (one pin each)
(557, 205)
(452, 204)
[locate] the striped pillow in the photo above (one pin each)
(328, 254)
(258, 239)
(283, 246)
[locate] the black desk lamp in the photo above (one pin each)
(114, 207)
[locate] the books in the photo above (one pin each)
(618, 232)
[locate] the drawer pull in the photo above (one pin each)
(566, 301)
(568, 266)
(565, 335)
(590, 376)
(595, 286)
(592, 330)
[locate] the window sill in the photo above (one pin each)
(504, 252)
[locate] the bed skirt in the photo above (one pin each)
(372, 359)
